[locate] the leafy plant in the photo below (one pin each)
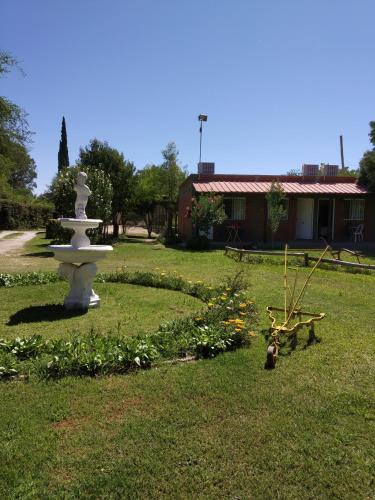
(207, 210)
(34, 278)
(198, 243)
(275, 206)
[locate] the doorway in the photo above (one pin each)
(305, 218)
(324, 219)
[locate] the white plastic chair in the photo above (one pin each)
(358, 233)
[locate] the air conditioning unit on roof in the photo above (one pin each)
(206, 168)
(330, 170)
(311, 170)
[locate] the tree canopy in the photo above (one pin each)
(100, 155)
(367, 164)
(17, 168)
(63, 195)
(63, 155)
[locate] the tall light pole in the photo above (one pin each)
(201, 118)
(342, 152)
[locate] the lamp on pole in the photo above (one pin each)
(201, 118)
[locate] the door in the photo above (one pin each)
(324, 219)
(305, 217)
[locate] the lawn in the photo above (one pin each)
(222, 428)
(126, 309)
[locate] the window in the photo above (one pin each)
(354, 209)
(235, 208)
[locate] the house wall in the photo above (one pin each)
(369, 230)
(255, 228)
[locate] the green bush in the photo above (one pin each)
(15, 215)
(34, 278)
(198, 243)
(96, 354)
(57, 233)
(8, 368)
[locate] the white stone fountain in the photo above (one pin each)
(78, 259)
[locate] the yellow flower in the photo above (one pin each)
(162, 274)
(198, 319)
(242, 305)
(252, 334)
(237, 329)
(228, 289)
(243, 314)
(210, 304)
(198, 282)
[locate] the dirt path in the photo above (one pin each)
(16, 243)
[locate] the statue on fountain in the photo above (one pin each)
(83, 193)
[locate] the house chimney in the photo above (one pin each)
(329, 170)
(311, 170)
(206, 168)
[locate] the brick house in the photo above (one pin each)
(319, 204)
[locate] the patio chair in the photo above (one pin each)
(358, 233)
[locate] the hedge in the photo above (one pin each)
(16, 215)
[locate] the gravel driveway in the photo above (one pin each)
(16, 243)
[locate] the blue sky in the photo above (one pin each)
(280, 80)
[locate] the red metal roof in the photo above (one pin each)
(289, 187)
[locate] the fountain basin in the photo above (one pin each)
(80, 226)
(80, 223)
(84, 254)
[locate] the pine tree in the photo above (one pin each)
(63, 156)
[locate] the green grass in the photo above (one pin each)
(223, 428)
(127, 309)
(12, 236)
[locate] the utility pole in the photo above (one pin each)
(342, 152)
(201, 118)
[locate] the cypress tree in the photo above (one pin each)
(63, 156)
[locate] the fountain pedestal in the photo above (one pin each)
(81, 295)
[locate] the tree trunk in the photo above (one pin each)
(169, 223)
(115, 229)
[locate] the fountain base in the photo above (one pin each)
(80, 277)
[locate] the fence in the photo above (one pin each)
(240, 253)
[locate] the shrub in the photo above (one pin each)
(25, 348)
(207, 210)
(198, 243)
(95, 354)
(8, 368)
(55, 231)
(34, 278)
(15, 215)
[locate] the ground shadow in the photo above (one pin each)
(48, 312)
(39, 254)
(289, 343)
